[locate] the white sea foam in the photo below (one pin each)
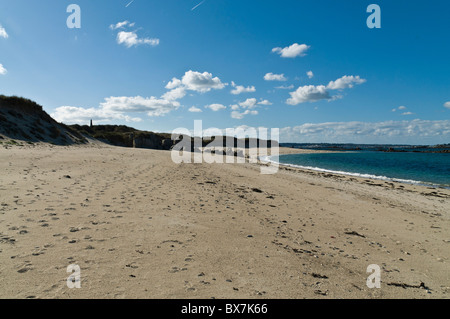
(267, 159)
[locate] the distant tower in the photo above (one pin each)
(133, 140)
(91, 123)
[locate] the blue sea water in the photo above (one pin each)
(417, 168)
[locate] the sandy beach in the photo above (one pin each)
(140, 226)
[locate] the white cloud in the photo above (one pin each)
(196, 81)
(400, 108)
(194, 109)
(407, 113)
(285, 87)
(152, 106)
(3, 33)
(79, 115)
(3, 71)
(175, 94)
(173, 84)
(193, 81)
(249, 103)
(274, 77)
(121, 25)
(130, 39)
(115, 108)
(264, 102)
(447, 104)
(201, 82)
(345, 82)
(216, 107)
(308, 93)
(292, 51)
(310, 74)
(312, 93)
(238, 89)
(239, 116)
(412, 131)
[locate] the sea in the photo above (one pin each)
(422, 165)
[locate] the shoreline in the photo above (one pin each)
(386, 179)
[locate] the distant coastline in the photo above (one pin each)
(391, 148)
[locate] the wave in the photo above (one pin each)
(268, 159)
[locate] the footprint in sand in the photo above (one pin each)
(25, 268)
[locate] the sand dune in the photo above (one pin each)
(140, 226)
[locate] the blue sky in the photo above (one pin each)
(155, 65)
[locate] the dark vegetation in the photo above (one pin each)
(23, 119)
(125, 136)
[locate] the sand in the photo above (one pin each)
(140, 226)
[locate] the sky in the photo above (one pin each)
(313, 69)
